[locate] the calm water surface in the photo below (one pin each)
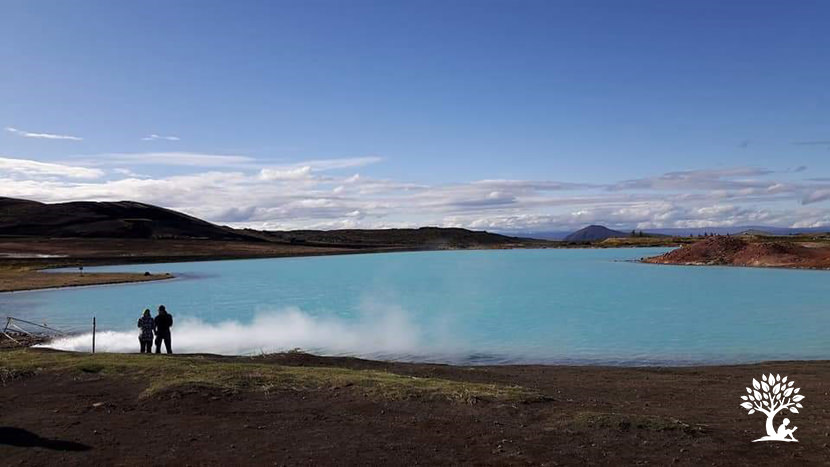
(505, 306)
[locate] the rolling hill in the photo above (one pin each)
(431, 237)
(133, 220)
(122, 219)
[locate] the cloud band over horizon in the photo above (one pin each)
(327, 193)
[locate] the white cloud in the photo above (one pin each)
(343, 163)
(816, 196)
(813, 222)
(710, 179)
(155, 137)
(296, 173)
(126, 172)
(241, 191)
(186, 159)
(28, 134)
(191, 159)
(30, 168)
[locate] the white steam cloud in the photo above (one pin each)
(378, 331)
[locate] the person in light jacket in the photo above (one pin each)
(145, 339)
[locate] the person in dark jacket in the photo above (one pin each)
(146, 323)
(163, 323)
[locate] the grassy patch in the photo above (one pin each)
(10, 374)
(164, 372)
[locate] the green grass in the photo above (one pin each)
(163, 373)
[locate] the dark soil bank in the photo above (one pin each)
(590, 415)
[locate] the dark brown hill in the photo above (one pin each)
(426, 237)
(122, 219)
(132, 220)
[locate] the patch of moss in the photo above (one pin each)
(163, 372)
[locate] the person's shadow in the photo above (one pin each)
(26, 439)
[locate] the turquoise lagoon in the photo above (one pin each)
(594, 306)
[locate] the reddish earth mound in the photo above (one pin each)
(713, 250)
(739, 252)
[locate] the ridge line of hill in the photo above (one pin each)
(135, 220)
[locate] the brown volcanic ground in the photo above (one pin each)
(86, 414)
(736, 251)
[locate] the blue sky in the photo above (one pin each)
(505, 115)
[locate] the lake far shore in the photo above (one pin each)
(23, 260)
(23, 271)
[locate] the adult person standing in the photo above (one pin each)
(163, 323)
(146, 323)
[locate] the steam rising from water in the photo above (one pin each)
(377, 331)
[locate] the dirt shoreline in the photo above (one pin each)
(654, 261)
(41, 280)
(23, 273)
(86, 412)
(806, 253)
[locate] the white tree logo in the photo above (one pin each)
(772, 395)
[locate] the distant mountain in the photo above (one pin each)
(594, 233)
(122, 219)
